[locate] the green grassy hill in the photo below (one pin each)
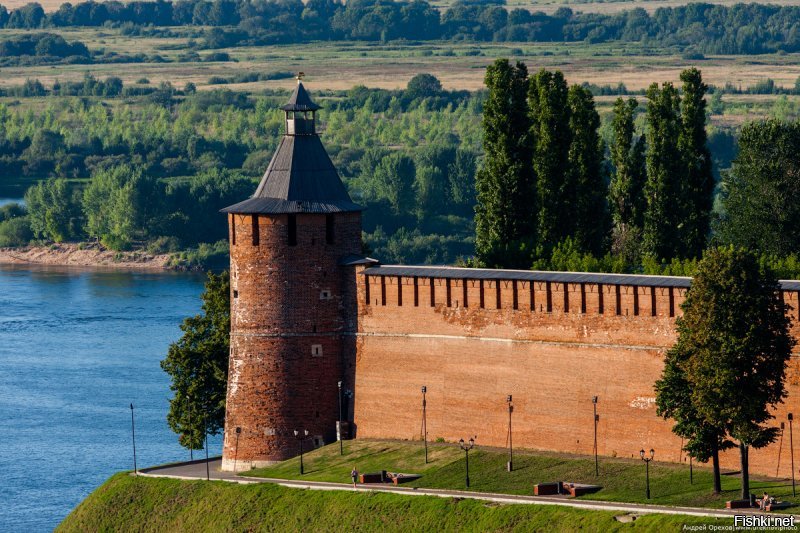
(127, 503)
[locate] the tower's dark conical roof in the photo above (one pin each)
(300, 100)
(301, 177)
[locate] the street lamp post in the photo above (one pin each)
(467, 447)
(510, 444)
(791, 451)
(191, 429)
(596, 418)
(133, 436)
(205, 437)
(236, 451)
(647, 468)
(425, 421)
(301, 436)
(341, 443)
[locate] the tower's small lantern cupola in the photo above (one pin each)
(301, 112)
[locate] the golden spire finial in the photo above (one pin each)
(300, 76)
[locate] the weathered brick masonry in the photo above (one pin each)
(307, 312)
(551, 345)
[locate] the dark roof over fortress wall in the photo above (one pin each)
(533, 275)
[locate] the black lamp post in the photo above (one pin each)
(596, 419)
(301, 436)
(791, 451)
(510, 445)
(191, 429)
(425, 421)
(236, 451)
(467, 447)
(205, 437)
(339, 433)
(647, 468)
(133, 436)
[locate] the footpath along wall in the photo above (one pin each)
(552, 340)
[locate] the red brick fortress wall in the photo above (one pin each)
(290, 306)
(552, 345)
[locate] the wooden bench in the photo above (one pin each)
(377, 477)
(777, 506)
(737, 504)
(579, 489)
(546, 489)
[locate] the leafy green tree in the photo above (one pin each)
(198, 367)
(759, 194)
(122, 205)
(505, 214)
(589, 206)
(550, 112)
(663, 217)
(394, 181)
(703, 441)
(54, 211)
(461, 175)
(423, 85)
(626, 189)
(735, 336)
(698, 190)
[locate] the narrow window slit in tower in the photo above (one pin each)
(583, 298)
(366, 288)
(233, 230)
(329, 229)
(514, 296)
(600, 306)
(399, 291)
(255, 230)
(235, 294)
(549, 297)
(292, 230)
(671, 303)
(653, 301)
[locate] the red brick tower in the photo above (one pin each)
(293, 245)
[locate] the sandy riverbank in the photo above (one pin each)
(83, 254)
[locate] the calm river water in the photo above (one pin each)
(76, 348)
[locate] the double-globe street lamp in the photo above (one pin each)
(647, 460)
(467, 446)
(301, 436)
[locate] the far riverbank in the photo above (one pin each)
(87, 255)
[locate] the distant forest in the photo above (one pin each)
(700, 28)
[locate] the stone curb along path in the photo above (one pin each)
(196, 470)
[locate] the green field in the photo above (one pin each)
(126, 503)
(623, 480)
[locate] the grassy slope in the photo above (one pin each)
(125, 503)
(622, 479)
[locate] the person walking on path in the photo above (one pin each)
(354, 476)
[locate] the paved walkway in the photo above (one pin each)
(197, 470)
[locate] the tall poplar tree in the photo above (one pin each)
(626, 189)
(663, 217)
(505, 212)
(589, 207)
(549, 113)
(698, 187)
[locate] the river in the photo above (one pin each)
(76, 348)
